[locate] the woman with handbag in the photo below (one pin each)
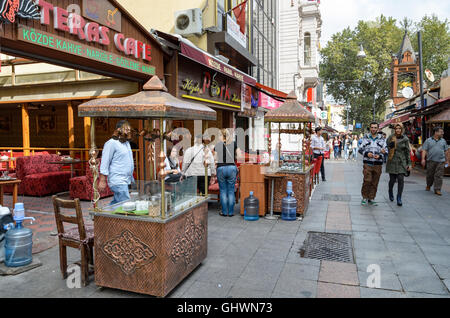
(173, 166)
(399, 162)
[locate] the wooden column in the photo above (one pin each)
(71, 127)
(25, 129)
(87, 137)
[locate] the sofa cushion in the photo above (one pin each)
(42, 184)
(37, 164)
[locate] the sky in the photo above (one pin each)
(339, 14)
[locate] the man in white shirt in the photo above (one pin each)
(318, 147)
(117, 164)
(193, 163)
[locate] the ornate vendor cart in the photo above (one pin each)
(290, 169)
(152, 248)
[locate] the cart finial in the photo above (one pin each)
(292, 95)
(155, 84)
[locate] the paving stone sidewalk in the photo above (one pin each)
(409, 244)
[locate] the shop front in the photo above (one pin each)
(97, 58)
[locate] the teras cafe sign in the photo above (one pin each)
(89, 32)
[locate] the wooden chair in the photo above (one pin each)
(80, 237)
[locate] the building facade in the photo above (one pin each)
(309, 39)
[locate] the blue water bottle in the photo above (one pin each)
(19, 240)
(289, 205)
(251, 208)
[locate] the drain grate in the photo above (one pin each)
(328, 247)
(337, 197)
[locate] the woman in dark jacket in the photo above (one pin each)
(399, 161)
(226, 154)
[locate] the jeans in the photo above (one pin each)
(346, 153)
(355, 153)
(226, 175)
(121, 193)
(336, 152)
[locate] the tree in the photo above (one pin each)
(435, 44)
(358, 82)
(361, 82)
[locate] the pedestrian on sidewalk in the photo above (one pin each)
(347, 145)
(318, 147)
(336, 148)
(226, 153)
(398, 162)
(117, 163)
(193, 163)
(373, 147)
(433, 157)
(355, 147)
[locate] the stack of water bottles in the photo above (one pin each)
(18, 239)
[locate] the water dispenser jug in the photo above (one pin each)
(289, 205)
(251, 208)
(19, 240)
(6, 223)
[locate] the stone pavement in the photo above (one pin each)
(411, 246)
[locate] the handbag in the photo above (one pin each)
(174, 178)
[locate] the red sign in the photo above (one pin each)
(91, 31)
(268, 102)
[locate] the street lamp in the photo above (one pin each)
(362, 55)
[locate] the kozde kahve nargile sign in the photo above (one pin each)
(87, 33)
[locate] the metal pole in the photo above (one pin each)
(304, 147)
(422, 102)
(206, 152)
(373, 106)
(162, 158)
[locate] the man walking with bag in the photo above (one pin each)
(373, 148)
(433, 155)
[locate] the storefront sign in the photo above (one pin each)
(61, 44)
(207, 60)
(234, 30)
(92, 32)
(75, 33)
(104, 13)
(268, 102)
(207, 85)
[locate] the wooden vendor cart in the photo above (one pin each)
(279, 173)
(153, 251)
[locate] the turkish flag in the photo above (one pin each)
(239, 13)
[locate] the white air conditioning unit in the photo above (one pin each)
(189, 22)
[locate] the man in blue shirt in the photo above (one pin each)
(117, 163)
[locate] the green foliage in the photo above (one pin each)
(435, 44)
(361, 82)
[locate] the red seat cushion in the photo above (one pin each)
(42, 184)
